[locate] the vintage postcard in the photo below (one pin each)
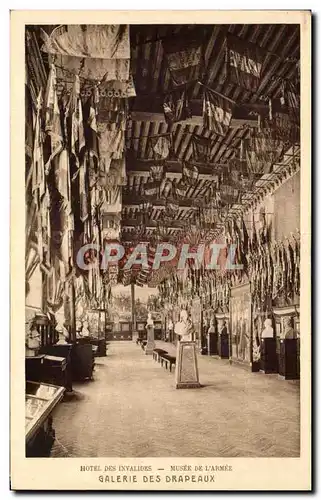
(164, 270)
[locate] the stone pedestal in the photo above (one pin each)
(212, 344)
(288, 363)
(223, 346)
(268, 362)
(150, 346)
(186, 372)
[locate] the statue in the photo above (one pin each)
(150, 321)
(186, 369)
(184, 328)
(150, 346)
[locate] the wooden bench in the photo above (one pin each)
(168, 360)
(157, 353)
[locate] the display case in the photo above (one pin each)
(40, 401)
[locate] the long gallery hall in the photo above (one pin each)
(162, 180)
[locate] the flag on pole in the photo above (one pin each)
(217, 112)
(243, 63)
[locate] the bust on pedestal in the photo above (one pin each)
(212, 343)
(223, 341)
(150, 346)
(288, 366)
(186, 369)
(268, 349)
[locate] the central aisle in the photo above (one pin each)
(132, 409)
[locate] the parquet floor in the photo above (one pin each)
(132, 409)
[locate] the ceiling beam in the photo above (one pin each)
(151, 224)
(153, 104)
(142, 116)
(133, 199)
(142, 167)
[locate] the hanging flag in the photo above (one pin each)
(184, 57)
(262, 151)
(245, 238)
(243, 63)
(90, 124)
(201, 147)
(111, 142)
(229, 194)
(166, 187)
(113, 112)
(254, 238)
(238, 175)
(38, 170)
(180, 189)
(116, 88)
(75, 127)
(171, 208)
(161, 146)
(190, 174)
(157, 172)
(52, 123)
(95, 70)
(104, 41)
(83, 191)
(151, 188)
(291, 95)
(217, 112)
(176, 106)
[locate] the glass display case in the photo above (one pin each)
(40, 400)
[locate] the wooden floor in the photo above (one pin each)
(132, 409)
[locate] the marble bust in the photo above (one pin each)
(183, 328)
(267, 332)
(150, 322)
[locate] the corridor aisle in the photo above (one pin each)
(132, 409)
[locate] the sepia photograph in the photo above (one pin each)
(163, 251)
